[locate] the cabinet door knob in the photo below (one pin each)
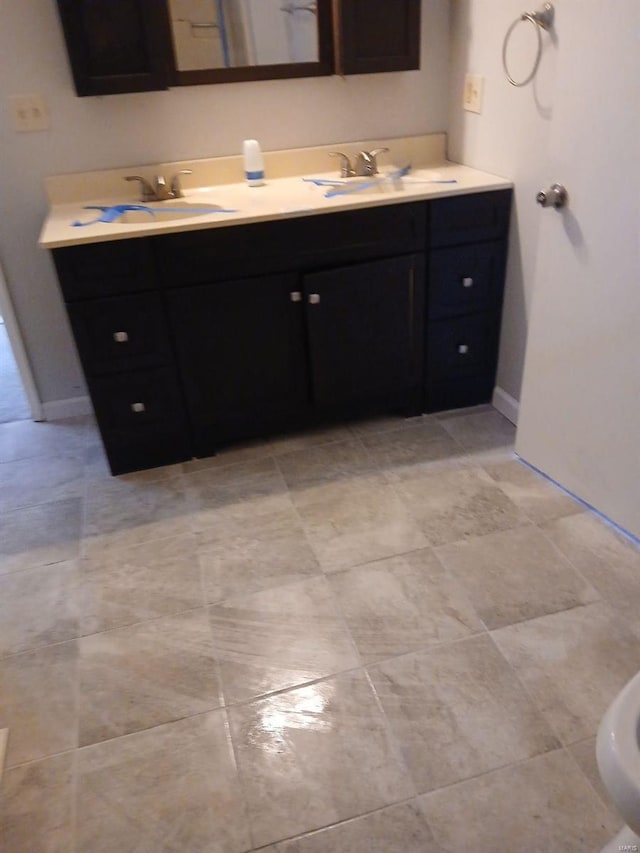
(467, 282)
(314, 298)
(463, 349)
(120, 337)
(138, 407)
(295, 296)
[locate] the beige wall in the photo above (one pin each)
(204, 121)
(509, 138)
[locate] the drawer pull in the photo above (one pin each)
(120, 337)
(314, 298)
(295, 296)
(138, 407)
(467, 282)
(463, 349)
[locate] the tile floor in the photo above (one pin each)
(387, 636)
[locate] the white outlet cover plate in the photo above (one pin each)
(29, 113)
(473, 93)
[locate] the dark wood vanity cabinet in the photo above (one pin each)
(323, 321)
(468, 248)
(116, 46)
(195, 339)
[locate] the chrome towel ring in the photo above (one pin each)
(542, 20)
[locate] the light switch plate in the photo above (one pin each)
(473, 92)
(29, 113)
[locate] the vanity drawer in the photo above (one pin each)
(297, 244)
(465, 279)
(461, 347)
(141, 418)
(104, 269)
(470, 218)
(123, 333)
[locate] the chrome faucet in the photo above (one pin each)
(365, 165)
(160, 191)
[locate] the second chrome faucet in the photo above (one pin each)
(160, 191)
(365, 165)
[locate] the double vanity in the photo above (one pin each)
(255, 310)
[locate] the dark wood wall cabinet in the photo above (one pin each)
(377, 35)
(192, 340)
(117, 46)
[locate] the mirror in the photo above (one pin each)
(225, 40)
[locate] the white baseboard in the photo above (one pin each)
(4, 737)
(506, 404)
(69, 408)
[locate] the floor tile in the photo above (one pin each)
(463, 412)
(537, 497)
(36, 811)
(308, 438)
(584, 753)
(123, 512)
(38, 607)
(458, 710)
(326, 463)
(384, 423)
(171, 789)
(41, 479)
(317, 754)
(397, 829)
(402, 604)
(515, 575)
(122, 586)
(354, 521)
(255, 486)
(145, 675)
(414, 450)
(573, 664)
(249, 552)
(607, 559)
(279, 638)
(38, 702)
(482, 430)
(40, 535)
(25, 439)
(544, 805)
(456, 504)
(234, 454)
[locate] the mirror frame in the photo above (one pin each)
(243, 73)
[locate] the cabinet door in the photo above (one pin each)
(242, 357)
(365, 332)
(121, 46)
(377, 35)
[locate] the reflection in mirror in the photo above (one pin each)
(238, 33)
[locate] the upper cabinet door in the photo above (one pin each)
(116, 45)
(377, 35)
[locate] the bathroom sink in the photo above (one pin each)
(168, 211)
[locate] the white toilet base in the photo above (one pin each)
(625, 840)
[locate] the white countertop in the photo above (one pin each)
(281, 197)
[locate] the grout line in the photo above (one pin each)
(317, 830)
